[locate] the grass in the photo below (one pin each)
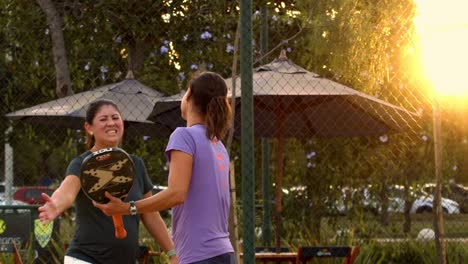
(455, 226)
(382, 244)
(365, 231)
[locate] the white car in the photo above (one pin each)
(423, 202)
(453, 191)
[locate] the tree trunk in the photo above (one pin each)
(407, 223)
(385, 205)
(316, 223)
(62, 73)
(136, 55)
(408, 203)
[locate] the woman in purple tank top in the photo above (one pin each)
(198, 183)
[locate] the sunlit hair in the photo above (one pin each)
(209, 95)
(91, 112)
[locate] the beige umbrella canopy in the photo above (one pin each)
(134, 99)
(290, 101)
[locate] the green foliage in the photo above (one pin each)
(397, 253)
(398, 248)
(152, 152)
(409, 252)
(362, 44)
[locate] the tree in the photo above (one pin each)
(54, 20)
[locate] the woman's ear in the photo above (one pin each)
(188, 94)
(87, 127)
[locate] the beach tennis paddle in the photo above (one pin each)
(108, 170)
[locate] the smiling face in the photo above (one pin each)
(107, 127)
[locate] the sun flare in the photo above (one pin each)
(442, 28)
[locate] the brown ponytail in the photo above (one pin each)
(218, 118)
(89, 141)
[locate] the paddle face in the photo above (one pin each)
(110, 170)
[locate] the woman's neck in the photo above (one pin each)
(194, 120)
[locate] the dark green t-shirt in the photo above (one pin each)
(94, 238)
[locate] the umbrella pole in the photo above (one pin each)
(279, 176)
(266, 225)
(279, 186)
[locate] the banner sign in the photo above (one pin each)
(15, 227)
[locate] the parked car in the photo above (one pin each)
(422, 202)
(368, 199)
(32, 194)
(453, 191)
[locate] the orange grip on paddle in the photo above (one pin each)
(120, 231)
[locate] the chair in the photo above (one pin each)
(350, 253)
(145, 253)
(261, 254)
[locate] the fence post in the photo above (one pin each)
(247, 144)
(8, 166)
(437, 206)
(266, 227)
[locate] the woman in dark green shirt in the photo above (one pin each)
(94, 240)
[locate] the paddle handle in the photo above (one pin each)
(120, 231)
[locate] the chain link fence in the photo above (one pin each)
(342, 147)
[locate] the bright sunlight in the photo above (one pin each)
(442, 28)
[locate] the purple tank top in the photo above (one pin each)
(200, 224)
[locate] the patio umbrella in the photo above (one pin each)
(134, 99)
(167, 111)
(290, 101)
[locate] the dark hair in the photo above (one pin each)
(91, 112)
(209, 94)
